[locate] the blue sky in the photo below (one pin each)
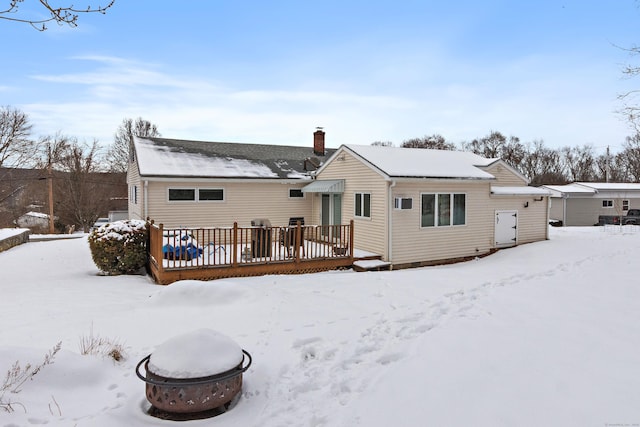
(271, 71)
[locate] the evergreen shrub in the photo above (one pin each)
(119, 247)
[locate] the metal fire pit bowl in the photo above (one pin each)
(193, 395)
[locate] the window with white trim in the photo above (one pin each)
(625, 205)
(362, 205)
(607, 203)
(403, 203)
(210, 194)
(182, 194)
(195, 194)
(443, 209)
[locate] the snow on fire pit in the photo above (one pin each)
(195, 375)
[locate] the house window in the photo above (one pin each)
(209, 194)
(182, 194)
(295, 193)
(607, 203)
(443, 209)
(134, 194)
(625, 205)
(363, 205)
(403, 203)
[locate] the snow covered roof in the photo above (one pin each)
(519, 191)
(162, 157)
(611, 186)
(559, 190)
(423, 163)
(36, 215)
(591, 188)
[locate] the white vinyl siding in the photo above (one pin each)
(504, 176)
(532, 223)
(413, 243)
(135, 206)
(243, 202)
(370, 233)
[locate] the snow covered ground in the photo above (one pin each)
(545, 334)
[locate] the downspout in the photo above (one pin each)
(145, 198)
(564, 210)
(390, 224)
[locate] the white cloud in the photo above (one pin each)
(517, 98)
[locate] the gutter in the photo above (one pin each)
(390, 223)
(146, 199)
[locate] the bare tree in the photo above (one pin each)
(118, 155)
(490, 146)
(16, 147)
(579, 163)
(542, 165)
(630, 157)
(80, 196)
(435, 141)
(60, 15)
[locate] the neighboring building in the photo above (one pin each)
(33, 221)
(411, 206)
(581, 203)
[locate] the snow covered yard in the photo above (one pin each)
(542, 334)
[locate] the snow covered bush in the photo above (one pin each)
(119, 247)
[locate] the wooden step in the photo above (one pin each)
(371, 265)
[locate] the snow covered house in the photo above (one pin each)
(410, 206)
(417, 207)
(580, 203)
(204, 184)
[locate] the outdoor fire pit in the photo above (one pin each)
(196, 375)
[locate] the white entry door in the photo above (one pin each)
(506, 228)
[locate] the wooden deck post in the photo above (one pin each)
(157, 250)
(297, 240)
(351, 239)
(234, 245)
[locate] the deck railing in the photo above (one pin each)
(210, 253)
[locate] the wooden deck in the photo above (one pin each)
(214, 253)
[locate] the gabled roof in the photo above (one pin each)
(395, 162)
(162, 157)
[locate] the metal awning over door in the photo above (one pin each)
(325, 186)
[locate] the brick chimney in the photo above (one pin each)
(318, 142)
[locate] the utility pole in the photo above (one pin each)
(50, 182)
